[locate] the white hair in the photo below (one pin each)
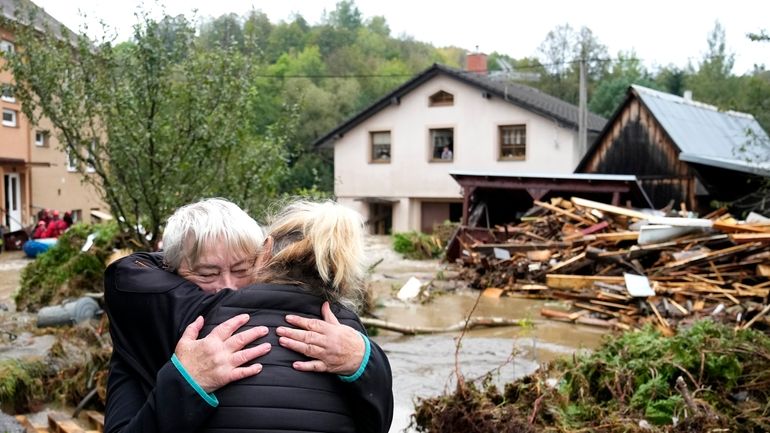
(199, 225)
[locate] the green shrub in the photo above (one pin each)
(417, 246)
(64, 271)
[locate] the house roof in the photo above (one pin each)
(517, 94)
(43, 20)
(702, 133)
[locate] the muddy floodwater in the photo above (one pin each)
(424, 366)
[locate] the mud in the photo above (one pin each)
(11, 264)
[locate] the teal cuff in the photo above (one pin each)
(364, 362)
(211, 399)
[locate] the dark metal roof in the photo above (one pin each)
(517, 94)
(702, 133)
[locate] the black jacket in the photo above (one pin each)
(149, 309)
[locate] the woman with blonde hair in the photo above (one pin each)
(312, 267)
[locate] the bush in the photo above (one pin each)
(417, 246)
(64, 271)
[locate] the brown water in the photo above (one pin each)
(424, 366)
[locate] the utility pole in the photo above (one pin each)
(582, 112)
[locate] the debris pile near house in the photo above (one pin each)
(621, 268)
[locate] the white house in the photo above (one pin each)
(392, 160)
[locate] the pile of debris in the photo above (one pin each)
(620, 268)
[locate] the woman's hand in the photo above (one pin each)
(336, 348)
(215, 360)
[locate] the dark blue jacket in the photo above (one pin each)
(149, 309)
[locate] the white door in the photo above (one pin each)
(12, 201)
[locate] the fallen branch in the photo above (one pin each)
(474, 322)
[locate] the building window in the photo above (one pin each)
(513, 142)
(441, 98)
(6, 46)
(442, 144)
(72, 161)
(6, 93)
(9, 117)
(41, 138)
(380, 146)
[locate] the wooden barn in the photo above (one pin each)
(681, 150)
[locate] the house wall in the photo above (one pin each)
(56, 186)
(636, 144)
(45, 180)
(411, 177)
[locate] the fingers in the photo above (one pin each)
(193, 329)
(315, 365)
(241, 339)
(225, 329)
(299, 346)
(246, 355)
(326, 313)
(305, 323)
(243, 372)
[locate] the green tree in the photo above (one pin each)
(714, 82)
(153, 123)
(561, 52)
(224, 31)
(611, 91)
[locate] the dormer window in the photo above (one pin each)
(441, 98)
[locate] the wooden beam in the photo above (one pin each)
(564, 212)
(609, 208)
(576, 282)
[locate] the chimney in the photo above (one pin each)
(476, 62)
(688, 95)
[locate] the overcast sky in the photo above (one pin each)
(660, 31)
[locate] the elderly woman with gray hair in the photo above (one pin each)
(309, 275)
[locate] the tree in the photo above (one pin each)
(611, 91)
(561, 52)
(153, 123)
(713, 82)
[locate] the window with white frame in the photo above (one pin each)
(6, 93)
(72, 161)
(41, 138)
(7, 46)
(9, 117)
(513, 142)
(380, 146)
(89, 166)
(442, 144)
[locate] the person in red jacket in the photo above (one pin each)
(56, 227)
(40, 230)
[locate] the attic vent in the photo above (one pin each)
(441, 98)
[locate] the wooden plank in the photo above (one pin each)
(718, 254)
(679, 307)
(27, 425)
(566, 213)
(567, 262)
(59, 423)
(727, 227)
(657, 314)
(755, 318)
(96, 419)
(613, 305)
(597, 309)
(576, 282)
(595, 228)
(742, 238)
(492, 292)
(609, 208)
(617, 236)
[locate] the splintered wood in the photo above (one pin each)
(578, 251)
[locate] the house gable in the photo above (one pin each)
(634, 142)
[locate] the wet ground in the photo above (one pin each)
(424, 366)
(11, 264)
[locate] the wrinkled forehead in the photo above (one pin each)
(218, 251)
